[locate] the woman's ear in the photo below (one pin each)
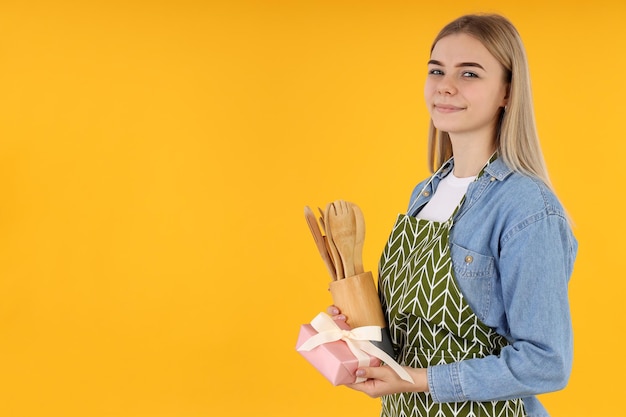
(507, 92)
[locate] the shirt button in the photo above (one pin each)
(493, 179)
(425, 193)
(469, 259)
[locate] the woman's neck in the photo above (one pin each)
(470, 156)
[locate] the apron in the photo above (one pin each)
(429, 320)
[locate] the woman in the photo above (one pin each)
(473, 279)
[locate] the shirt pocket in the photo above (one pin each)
(475, 274)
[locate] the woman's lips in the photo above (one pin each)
(447, 108)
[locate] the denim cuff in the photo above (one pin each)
(444, 383)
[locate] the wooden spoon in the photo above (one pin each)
(359, 239)
(342, 224)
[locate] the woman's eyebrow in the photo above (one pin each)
(470, 64)
(459, 65)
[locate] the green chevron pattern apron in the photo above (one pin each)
(429, 320)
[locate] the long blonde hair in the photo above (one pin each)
(516, 138)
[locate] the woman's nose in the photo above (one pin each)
(446, 87)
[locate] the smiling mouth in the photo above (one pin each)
(441, 108)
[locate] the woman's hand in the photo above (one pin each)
(382, 380)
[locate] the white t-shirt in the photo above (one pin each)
(447, 197)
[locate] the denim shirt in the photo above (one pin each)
(515, 233)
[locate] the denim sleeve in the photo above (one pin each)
(535, 265)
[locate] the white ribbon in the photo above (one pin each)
(358, 341)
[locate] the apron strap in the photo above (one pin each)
(412, 207)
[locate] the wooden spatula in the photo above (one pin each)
(341, 223)
(319, 241)
(359, 239)
(334, 253)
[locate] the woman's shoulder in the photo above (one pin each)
(524, 204)
(529, 195)
(525, 194)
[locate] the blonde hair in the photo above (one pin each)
(516, 138)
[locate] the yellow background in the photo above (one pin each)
(155, 159)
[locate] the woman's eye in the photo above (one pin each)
(435, 72)
(469, 74)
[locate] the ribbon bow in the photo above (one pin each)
(358, 341)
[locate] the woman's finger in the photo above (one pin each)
(374, 372)
(335, 313)
(332, 310)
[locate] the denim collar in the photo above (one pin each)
(497, 169)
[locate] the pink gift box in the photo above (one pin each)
(334, 360)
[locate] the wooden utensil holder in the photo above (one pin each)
(358, 300)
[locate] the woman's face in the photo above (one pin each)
(465, 87)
